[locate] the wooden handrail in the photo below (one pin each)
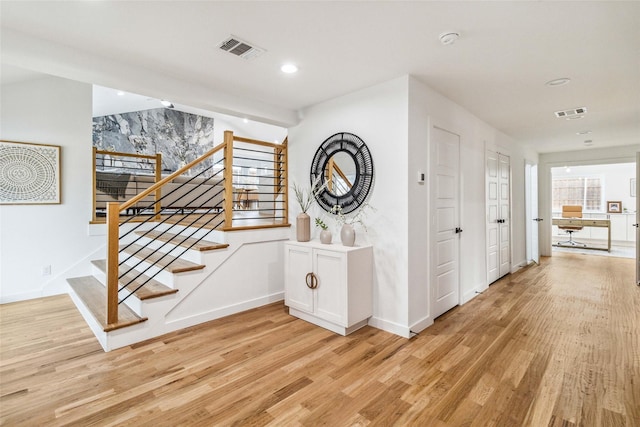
(256, 141)
(119, 154)
(114, 209)
(169, 178)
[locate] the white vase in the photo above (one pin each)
(325, 237)
(303, 227)
(348, 235)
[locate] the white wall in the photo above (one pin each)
(428, 109)
(598, 156)
(54, 111)
(394, 119)
(378, 115)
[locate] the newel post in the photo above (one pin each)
(113, 222)
(228, 179)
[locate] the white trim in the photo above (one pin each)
(390, 327)
(421, 325)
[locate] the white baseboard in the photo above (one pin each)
(518, 266)
(471, 294)
(217, 313)
(391, 327)
(421, 325)
(6, 299)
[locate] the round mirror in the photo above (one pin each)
(344, 164)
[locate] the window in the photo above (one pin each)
(577, 190)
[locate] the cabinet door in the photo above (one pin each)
(618, 227)
(298, 263)
(330, 269)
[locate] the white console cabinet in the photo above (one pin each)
(329, 285)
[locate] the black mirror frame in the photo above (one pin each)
(358, 150)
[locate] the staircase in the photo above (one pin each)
(209, 281)
(186, 248)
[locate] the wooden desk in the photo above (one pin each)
(586, 222)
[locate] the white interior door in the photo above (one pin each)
(535, 220)
(445, 162)
(531, 211)
(504, 207)
(637, 224)
(498, 215)
(493, 246)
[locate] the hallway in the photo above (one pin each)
(553, 344)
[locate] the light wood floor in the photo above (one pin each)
(553, 345)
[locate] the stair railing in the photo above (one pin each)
(112, 172)
(205, 194)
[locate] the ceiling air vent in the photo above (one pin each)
(240, 48)
(571, 113)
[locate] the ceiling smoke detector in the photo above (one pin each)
(572, 113)
(449, 37)
(241, 48)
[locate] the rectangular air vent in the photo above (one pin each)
(240, 48)
(570, 113)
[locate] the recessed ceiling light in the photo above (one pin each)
(558, 82)
(575, 117)
(120, 93)
(289, 68)
(449, 37)
(245, 120)
(583, 132)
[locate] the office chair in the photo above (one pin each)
(571, 211)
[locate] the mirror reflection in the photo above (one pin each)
(340, 173)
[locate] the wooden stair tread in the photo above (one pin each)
(151, 289)
(177, 239)
(168, 262)
(94, 295)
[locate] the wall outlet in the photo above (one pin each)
(46, 270)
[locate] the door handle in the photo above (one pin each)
(500, 221)
(537, 219)
(458, 230)
(309, 280)
(635, 225)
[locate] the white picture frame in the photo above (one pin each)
(29, 173)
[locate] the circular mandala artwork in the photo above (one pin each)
(28, 175)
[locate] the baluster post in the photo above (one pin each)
(113, 237)
(228, 179)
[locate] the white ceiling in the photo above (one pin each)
(496, 70)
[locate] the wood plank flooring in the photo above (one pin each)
(553, 345)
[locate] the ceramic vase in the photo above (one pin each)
(348, 235)
(325, 237)
(303, 227)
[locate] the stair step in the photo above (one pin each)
(151, 289)
(177, 239)
(94, 295)
(165, 262)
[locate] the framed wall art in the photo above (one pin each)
(29, 173)
(614, 207)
